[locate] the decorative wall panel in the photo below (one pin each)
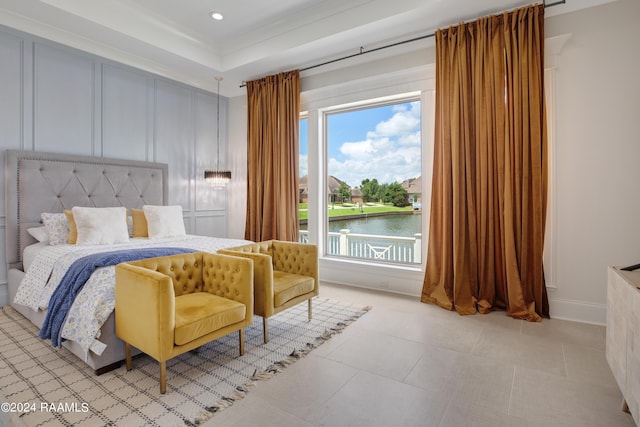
(63, 100)
(173, 139)
(127, 113)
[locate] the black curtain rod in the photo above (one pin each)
(363, 51)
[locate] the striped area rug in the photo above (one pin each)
(47, 386)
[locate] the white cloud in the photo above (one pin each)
(403, 121)
(389, 153)
(360, 149)
(303, 164)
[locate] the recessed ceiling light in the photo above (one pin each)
(216, 15)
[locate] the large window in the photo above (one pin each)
(373, 191)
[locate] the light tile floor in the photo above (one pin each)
(405, 363)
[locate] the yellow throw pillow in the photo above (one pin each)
(73, 229)
(139, 223)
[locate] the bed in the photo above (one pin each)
(36, 183)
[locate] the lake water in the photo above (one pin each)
(390, 225)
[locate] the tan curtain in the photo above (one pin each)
(272, 165)
(488, 200)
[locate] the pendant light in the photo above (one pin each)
(217, 177)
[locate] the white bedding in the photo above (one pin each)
(30, 253)
(96, 301)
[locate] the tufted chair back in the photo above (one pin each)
(185, 271)
(298, 259)
(197, 272)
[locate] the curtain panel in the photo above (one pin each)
(272, 158)
(489, 189)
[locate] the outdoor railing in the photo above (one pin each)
(370, 246)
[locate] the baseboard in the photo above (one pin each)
(578, 311)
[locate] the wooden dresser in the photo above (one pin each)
(623, 335)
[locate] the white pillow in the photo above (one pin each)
(39, 233)
(164, 221)
(101, 226)
(57, 227)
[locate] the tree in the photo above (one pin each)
(344, 192)
(396, 195)
(370, 190)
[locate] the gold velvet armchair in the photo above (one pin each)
(169, 305)
(285, 274)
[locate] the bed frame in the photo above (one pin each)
(38, 182)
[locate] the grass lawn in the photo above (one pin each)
(340, 209)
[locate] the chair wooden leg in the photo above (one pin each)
(163, 377)
(241, 333)
(127, 355)
(265, 330)
(309, 308)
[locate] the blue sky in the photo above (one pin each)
(381, 142)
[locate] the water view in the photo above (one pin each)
(390, 225)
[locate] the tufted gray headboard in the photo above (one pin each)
(47, 182)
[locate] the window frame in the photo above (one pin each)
(364, 104)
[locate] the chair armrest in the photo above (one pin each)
(230, 277)
(145, 309)
(262, 280)
(296, 258)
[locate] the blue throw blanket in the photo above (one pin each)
(79, 272)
